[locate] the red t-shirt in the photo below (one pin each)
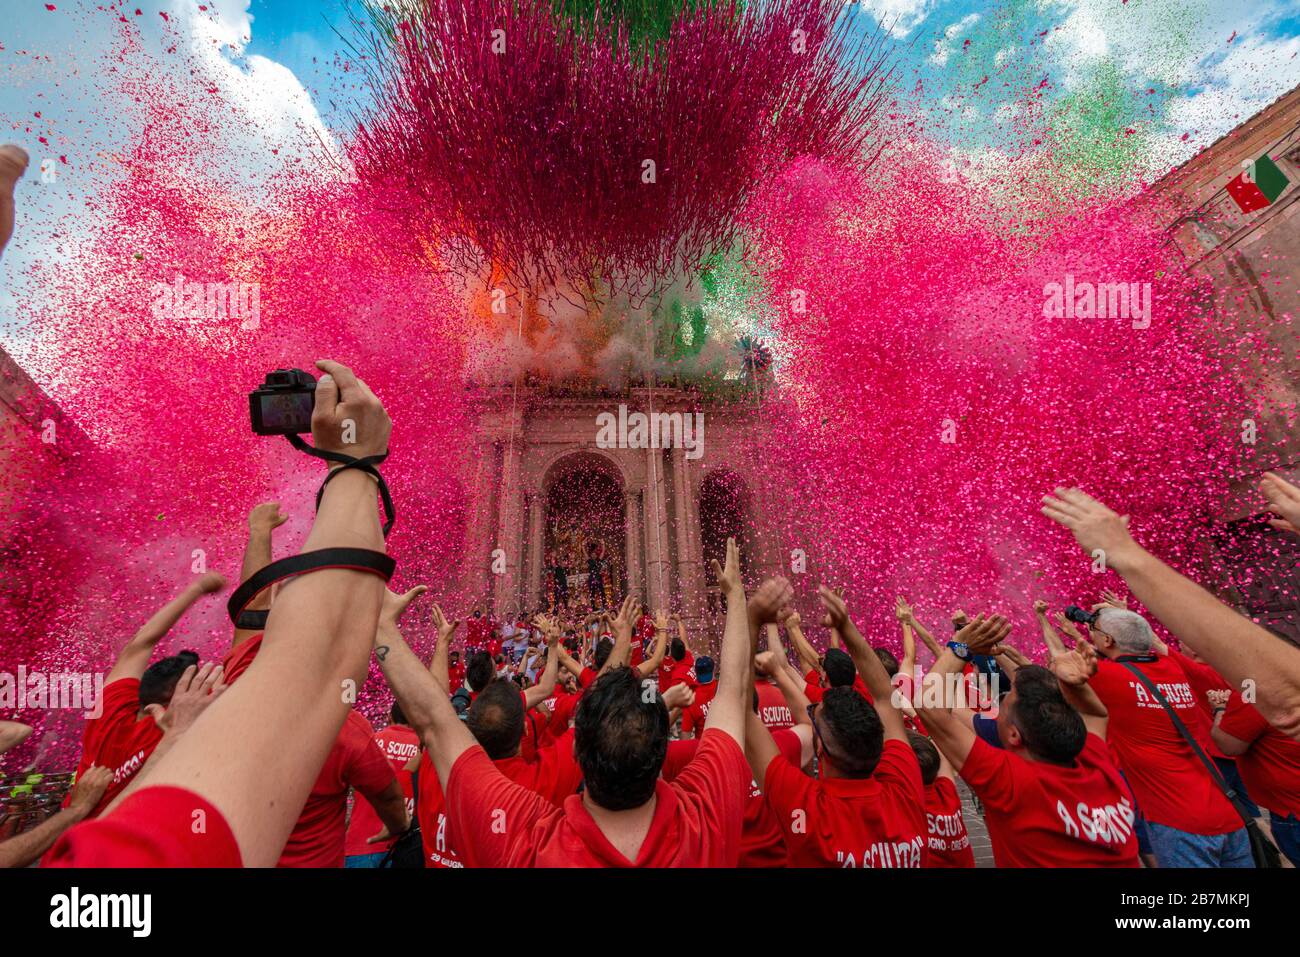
(354, 761)
(1203, 678)
(949, 842)
(848, 822)
(772, 708)
(587, 678)
(154, 827)
(1271, 768)
(693, 717)
(117, 739)
(399, 744)
(554, 776)
(696, 822)
(240, 657)
(562, 707)
(1045, 815)
(761, 842)
(674, 672)
(455, 676)
(1170, 783)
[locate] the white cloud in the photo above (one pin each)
(946, 45)
(902, 15)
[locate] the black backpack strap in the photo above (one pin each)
(355, 559)
(1228, 790)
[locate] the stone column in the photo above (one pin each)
(536, 514)
(689, 577)
(481, 524)
(509, 531)
(633, 553)
(656, 532)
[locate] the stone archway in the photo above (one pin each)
(725, 511)
(584, 528)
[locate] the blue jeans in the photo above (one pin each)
(1175, 848)
(1286, 834)
(364, 860)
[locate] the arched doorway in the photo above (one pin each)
(585, 530)
(724, 513)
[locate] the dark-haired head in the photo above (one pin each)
(496, 719)
(848, 734)
(396, 714)
(888, 660)
(1036, 717)
(621, 738)
(479, 670)
(601, 655)
(677, 649)
(839, 668)
(927, 755)
(158, 683)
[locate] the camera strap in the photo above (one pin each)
(366, 465)
(352, 559)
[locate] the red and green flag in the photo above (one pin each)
(1258, 186)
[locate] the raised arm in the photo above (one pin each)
(908, 665)
(439, 665)
(263, 520)
(134, 657)
(927, 639)
(545, 686)
(317, 642)
(1236, 647)
(648, 667)
(12, 734)
(809, 660)
(731, 702)
(1073, 669)
(868, 664)
(621, 627)
(951, 729)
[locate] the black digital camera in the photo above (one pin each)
(1077, 614)
(283, 404)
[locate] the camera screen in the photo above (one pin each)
(287, 411)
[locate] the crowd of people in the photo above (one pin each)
(617, 738)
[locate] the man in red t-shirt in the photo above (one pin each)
(1189, 821)
(839, 672)
(401, 746)
(866, 806)
(949, 842)
(694, 715)
(497, 721)
(1269, 762)
(1052, 797)
(124, 731)
(626, 816)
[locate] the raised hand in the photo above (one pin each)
(1218, 697)
(195, 691)
(768, 599)
(982, 636)
(446, 628)
(1067, 626)
(628, 615)
(1040, 608)
(661, 621)
(1109, 597)
(1096, 528)
(902, 610)
(1075, 667)
(1283, 500)
(395, 605)
(767, 663)
(13, 163)
(679, 696)
(728, 576)
(837, 612)
(348, 418)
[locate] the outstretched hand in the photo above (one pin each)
(1096, 527)
(195, 691)
(1283, 500)
(348, 417)
(728, 575)
(395, 605)
(983, 636)
(1075, 667)
(768, 599)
